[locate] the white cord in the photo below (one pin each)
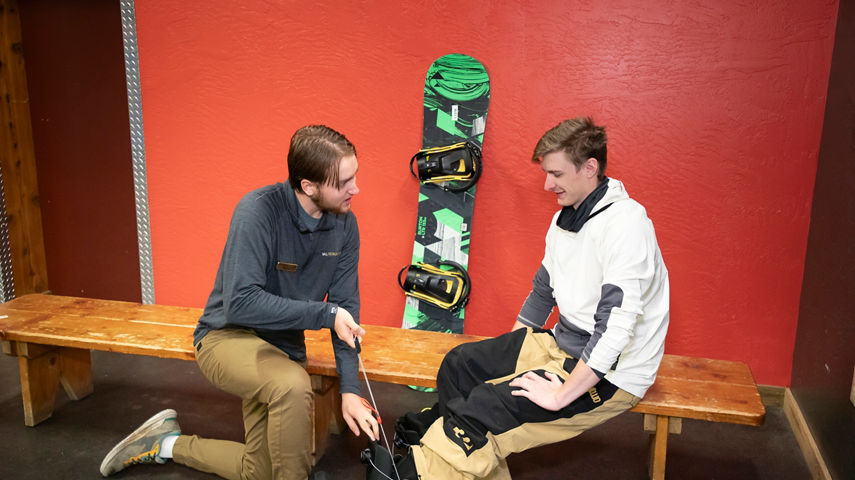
(380, 471)
(382, 430)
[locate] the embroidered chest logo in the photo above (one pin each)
(330, 254)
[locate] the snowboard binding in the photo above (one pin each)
(447, 289)
(453, 168)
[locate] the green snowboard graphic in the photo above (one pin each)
(456, 97)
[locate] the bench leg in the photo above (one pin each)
(659, 427)
(42, 369)
(39, 382)
(658, 447)
(75, 372)
(326, 413)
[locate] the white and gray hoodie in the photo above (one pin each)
(607, 277)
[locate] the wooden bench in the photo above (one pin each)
(52, 337)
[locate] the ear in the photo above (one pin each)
(592, 165)
(308, 187)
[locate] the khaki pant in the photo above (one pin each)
(277, 409)
(483, 423)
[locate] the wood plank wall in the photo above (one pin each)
(17, 159)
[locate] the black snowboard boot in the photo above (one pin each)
(378, 464)
(410, 428)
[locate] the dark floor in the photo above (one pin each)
(128, 389)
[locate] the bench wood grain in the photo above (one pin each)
(52, 336)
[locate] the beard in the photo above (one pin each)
(326, 206)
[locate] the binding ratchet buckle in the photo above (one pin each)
(447, 289)
(453, 168)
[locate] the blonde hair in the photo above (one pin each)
(579, 138)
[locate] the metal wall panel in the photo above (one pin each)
(129, 34)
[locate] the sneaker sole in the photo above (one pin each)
(141, 431)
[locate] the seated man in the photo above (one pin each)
(289, 265)
(603, 269)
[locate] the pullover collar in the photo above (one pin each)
(572, 219)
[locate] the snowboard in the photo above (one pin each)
(456, 97)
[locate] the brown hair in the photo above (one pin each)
(579, 138)
(315, 154)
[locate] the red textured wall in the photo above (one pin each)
(714, 114)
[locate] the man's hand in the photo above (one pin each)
(358, 417)
(544, 392)
(549, 392)
(346, 327)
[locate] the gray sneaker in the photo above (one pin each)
(143, 444)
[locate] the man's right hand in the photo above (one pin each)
(358, 417)
(346, 327)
